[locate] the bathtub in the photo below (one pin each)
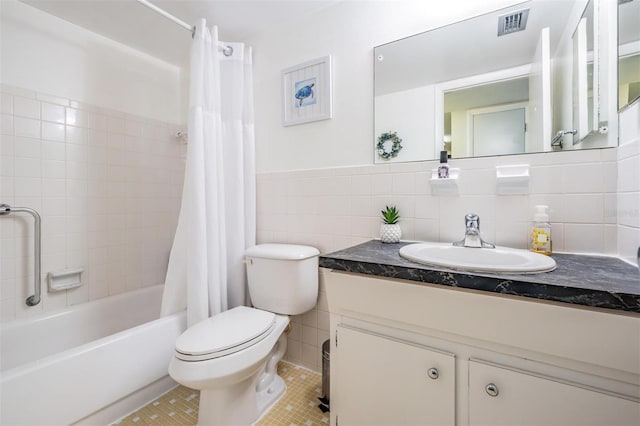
(71, 365)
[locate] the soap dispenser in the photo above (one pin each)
(443, 169)
(540, 234)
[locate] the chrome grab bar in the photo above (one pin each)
(5, 209)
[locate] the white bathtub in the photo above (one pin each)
(64, 367)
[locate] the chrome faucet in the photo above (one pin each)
(472, 236)
(557, 139)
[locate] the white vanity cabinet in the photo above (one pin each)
(503, 396)
(500, 360)
(389, 382)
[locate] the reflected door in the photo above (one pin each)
(498, 133)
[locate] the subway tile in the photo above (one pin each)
(28, 108)
(26, 127)
(52, 99)
(53, 131)
(630, 149)
(53, 113)
(629, 174)
(6, 125)
(76, 117)
(52, 169)
(6, 102)
(54, 187)
(28, 147)
(52, 150)
(362, 185)
(76, 153)
(583, 238)
(115, 125)
(426, 230)
(382, 184)
(629, 209)
(628, 243)
(28, 167)
(403, 183)
(28, 187)
(76, 135)
(97, 122)
(579, 178)
(610, 208)
(546, 180)
(7, 146)
(611, 240)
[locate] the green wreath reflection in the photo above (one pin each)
(388, 150)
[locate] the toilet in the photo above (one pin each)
(232, 357)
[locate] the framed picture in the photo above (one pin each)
(306, 92)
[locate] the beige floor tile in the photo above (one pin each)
(299, 404)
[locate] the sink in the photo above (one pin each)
(499, 259)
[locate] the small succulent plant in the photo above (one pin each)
(390, 215)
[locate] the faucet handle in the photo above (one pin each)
(472, 220)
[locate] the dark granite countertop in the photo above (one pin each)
(597, 281)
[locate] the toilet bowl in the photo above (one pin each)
(232, 357)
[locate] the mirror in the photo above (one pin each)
(467, 90)
(628, 52)
(585, 70)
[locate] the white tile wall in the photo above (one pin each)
(106, 185)
(628, 200)
(334, 208)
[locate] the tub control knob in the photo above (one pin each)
(433, 373)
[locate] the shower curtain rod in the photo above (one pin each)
(227, 50)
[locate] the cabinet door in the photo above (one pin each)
(381, 381)
(501, 396)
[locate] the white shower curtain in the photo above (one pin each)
(217, 220)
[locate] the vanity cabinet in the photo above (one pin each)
(502, 396)
(389, 382)
(500, 360)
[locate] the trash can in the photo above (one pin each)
(326, 354)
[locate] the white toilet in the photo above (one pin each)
(232, 357)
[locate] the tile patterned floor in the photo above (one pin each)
(297, 407)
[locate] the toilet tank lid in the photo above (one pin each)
(282, 251)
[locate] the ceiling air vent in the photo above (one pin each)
(512, 22)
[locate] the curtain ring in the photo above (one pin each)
(227, 51)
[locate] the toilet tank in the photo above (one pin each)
(283, 278)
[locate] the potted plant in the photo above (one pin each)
(390, 231)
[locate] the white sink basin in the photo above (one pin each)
(499, 259)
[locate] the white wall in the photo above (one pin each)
(348, 31)
(46, 54)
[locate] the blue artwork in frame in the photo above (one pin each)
(304, 92)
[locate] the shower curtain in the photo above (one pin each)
(217, 222)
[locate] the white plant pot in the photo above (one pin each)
(390, 233)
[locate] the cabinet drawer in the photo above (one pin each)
(504, 396)
(381, 381)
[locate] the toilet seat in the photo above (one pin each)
(224, 334)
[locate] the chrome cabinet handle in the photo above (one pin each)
(492, 390)
(433, 373)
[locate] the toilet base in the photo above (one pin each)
(244, 402)
(270, 396)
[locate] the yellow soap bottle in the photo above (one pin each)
(540, 235)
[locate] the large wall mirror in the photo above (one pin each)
(522, 79)
(628, 52)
